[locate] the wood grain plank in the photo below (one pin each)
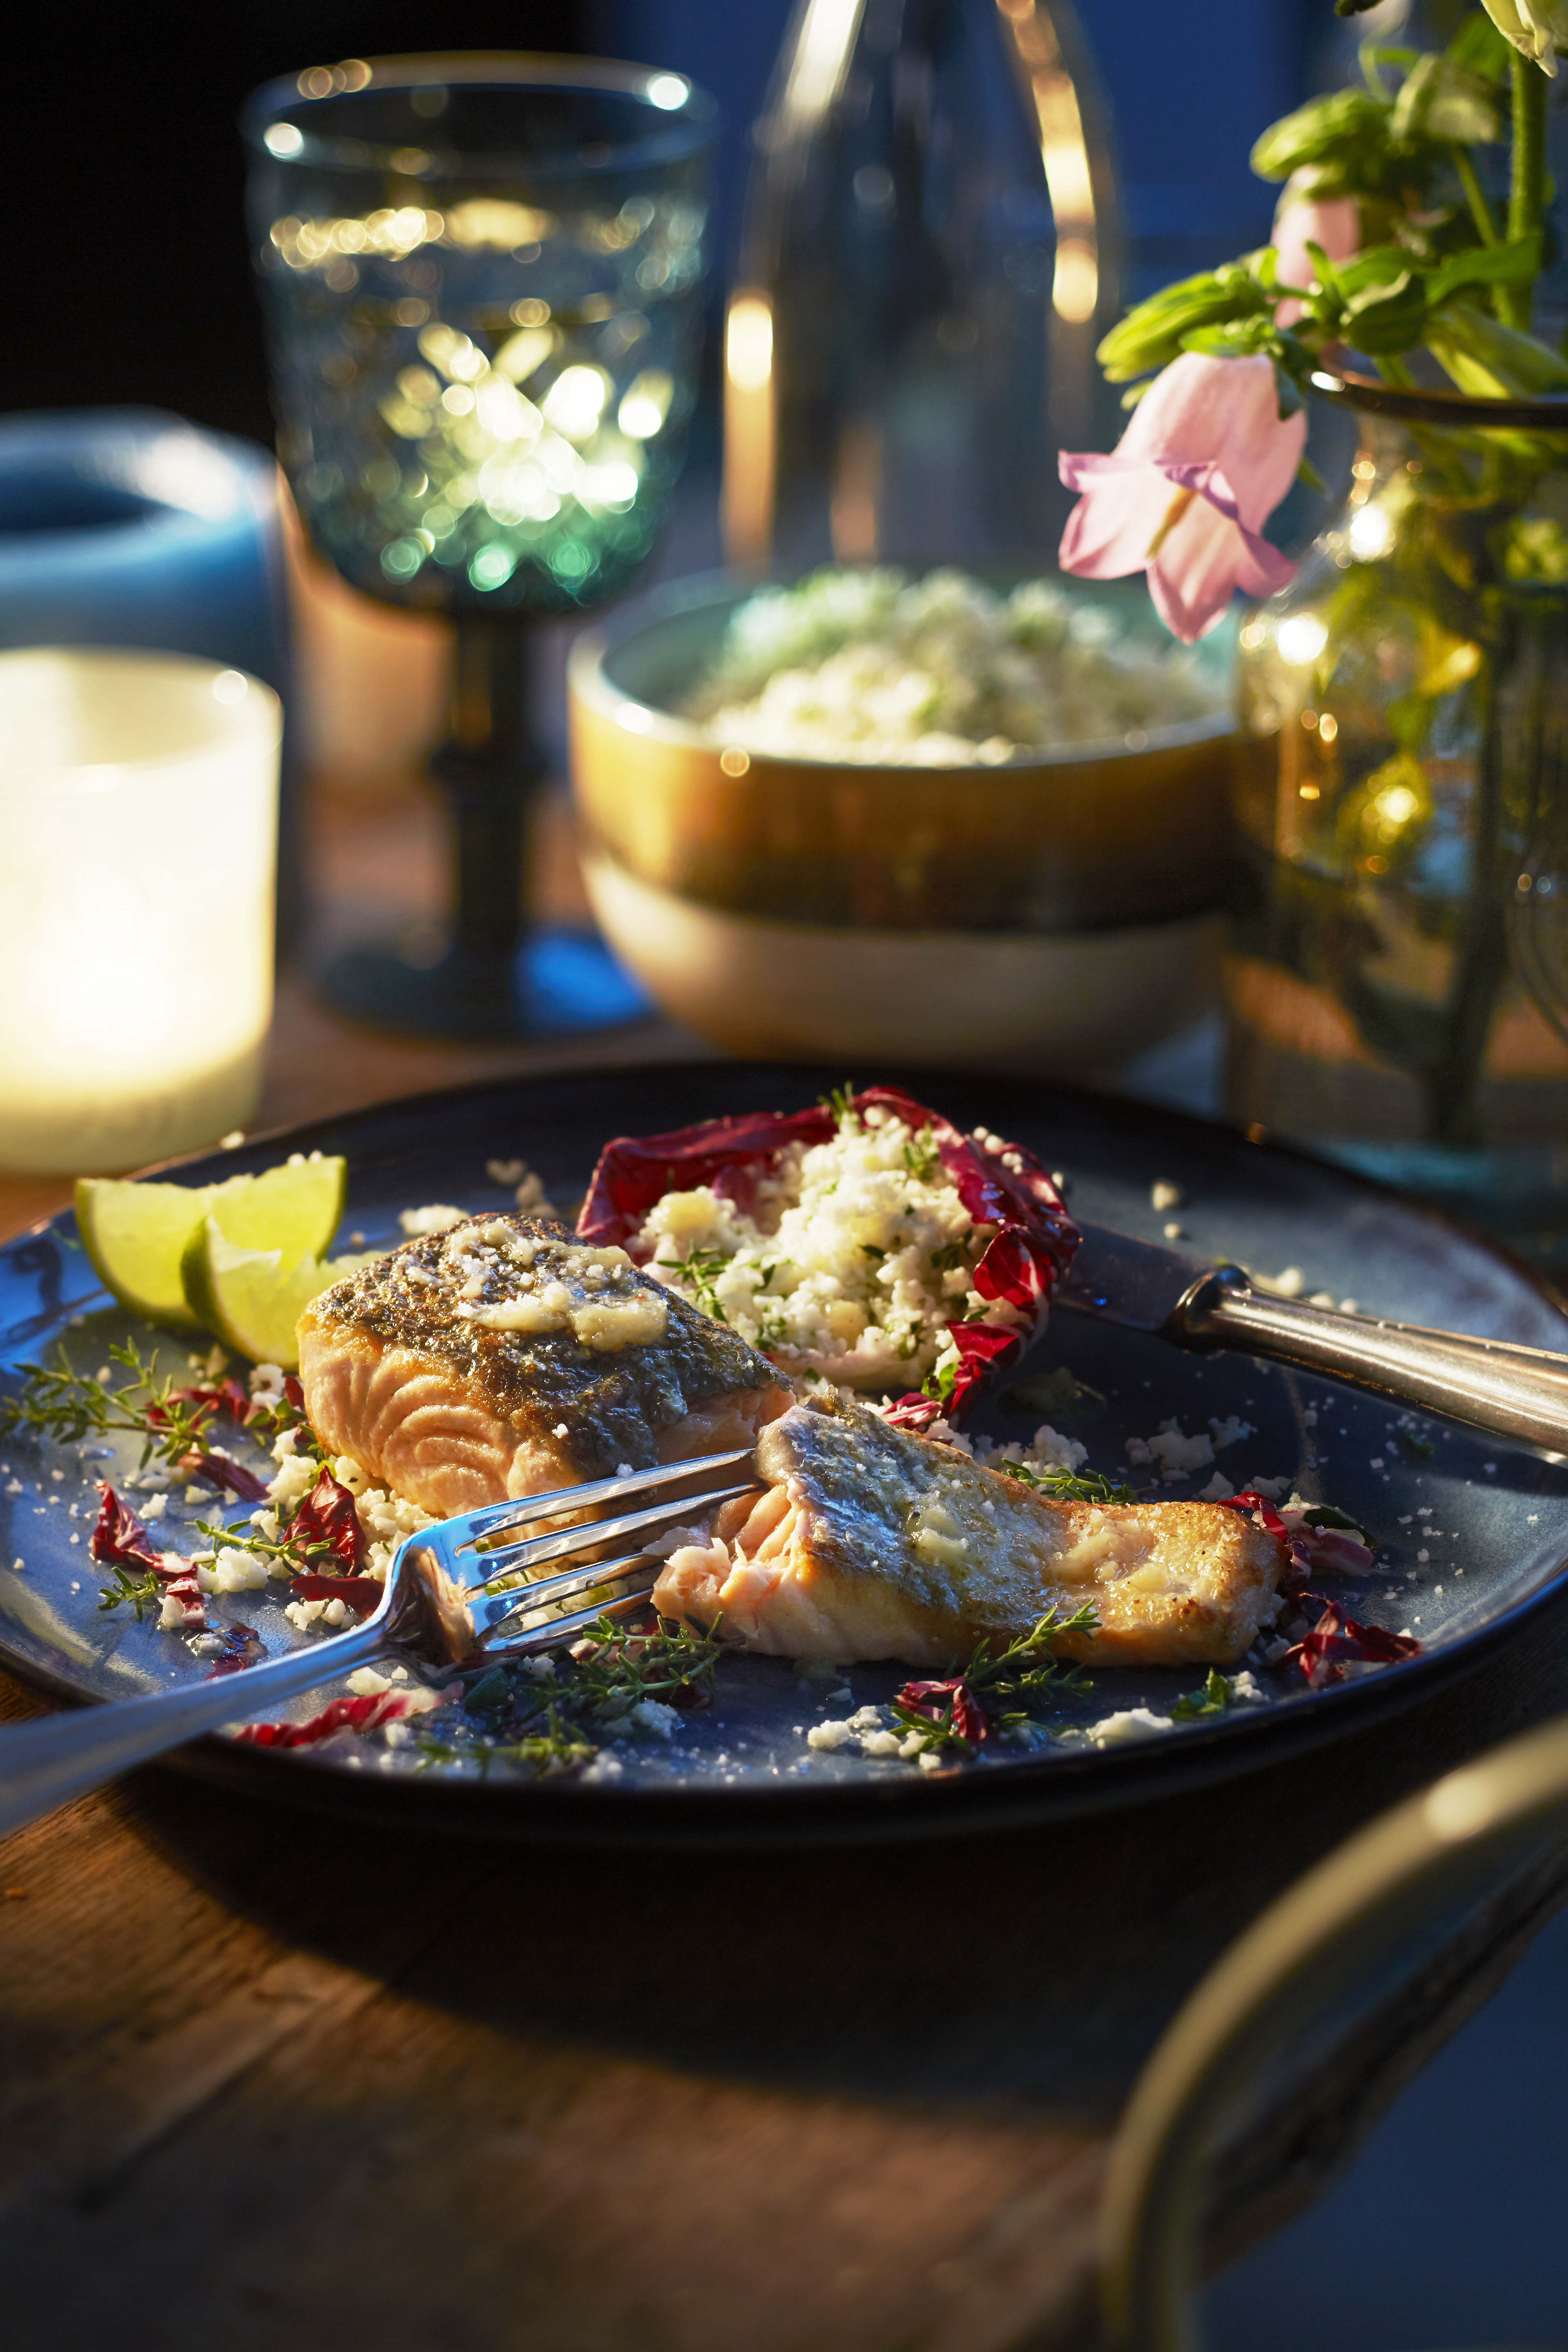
(483, 2097)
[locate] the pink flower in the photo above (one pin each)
(1300, 221)
(1187, 489)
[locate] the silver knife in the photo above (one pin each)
(1520, 1394)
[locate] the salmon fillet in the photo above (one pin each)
(504, 1358)
(875, 1542)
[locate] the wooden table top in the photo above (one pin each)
(269, 2078)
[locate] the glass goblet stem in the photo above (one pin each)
(490, 771)
(500, 976)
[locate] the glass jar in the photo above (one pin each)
(1402, 751)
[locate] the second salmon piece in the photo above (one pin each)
(503, 1358)
(872, 1542)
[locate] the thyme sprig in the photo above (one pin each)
(1022, 1676)
(614, 1671)
(66, 1405)
(559, 1747)
(302, 1558)
(141, 1591)
(938, 1731)
(1068, 1485)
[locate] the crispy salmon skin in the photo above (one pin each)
(874, 1542)
(504, 1358)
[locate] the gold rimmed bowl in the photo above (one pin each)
(1059, 910)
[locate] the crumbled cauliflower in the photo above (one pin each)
(854, 1256)
(1176, 1455)
(1128, 1723)
(938, 672)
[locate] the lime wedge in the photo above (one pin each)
(137, 1234)
(251, 1299)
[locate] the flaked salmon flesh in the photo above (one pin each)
(504, 1358)
(874, 1542)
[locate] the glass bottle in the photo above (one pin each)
(927, 259)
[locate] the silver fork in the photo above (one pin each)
(436, 1611)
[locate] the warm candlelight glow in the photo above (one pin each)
(137, 814)
(748, 427)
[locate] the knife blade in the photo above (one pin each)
(1134, 1283)
(1520, 1394)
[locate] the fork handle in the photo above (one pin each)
(44, 1764)
(1519, 1393)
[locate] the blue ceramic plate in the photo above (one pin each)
(1471, 1536)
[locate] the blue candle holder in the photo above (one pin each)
(130, 528)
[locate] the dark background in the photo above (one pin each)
(126, 277)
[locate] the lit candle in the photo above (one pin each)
(138, 830)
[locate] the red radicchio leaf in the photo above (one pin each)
(361, 1592)
(933, 1700)
(999, 1183)
(227, 1398)
(293, 1392)
(218, 1471)
(121, 1538)
(188, 1593)
(342, 1715)
(242, 1647)
(1311, 1549)
(1337, 1641)
(1317, 1548)
(328, 1516)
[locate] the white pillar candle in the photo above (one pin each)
(138, 832)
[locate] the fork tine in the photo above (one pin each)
(500, 1517)
(552, 1589)
(572, 1541)
(582, 1620)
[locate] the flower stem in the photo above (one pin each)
(1475, 194)
(1528, 190)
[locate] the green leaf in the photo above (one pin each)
(1378, 264)
(1481, 48)
(1387, 317)
(1484, 357)
(1151, 335)
(1443, 100)
(1348, 125)
(1515, 263)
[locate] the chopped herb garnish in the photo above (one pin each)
(1213, 1699)
(840, 1101)
(921, 1157)
(702, 1269)
(950, 1255)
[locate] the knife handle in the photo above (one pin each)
(1520, 1394)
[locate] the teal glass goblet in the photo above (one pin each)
(482, 283)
